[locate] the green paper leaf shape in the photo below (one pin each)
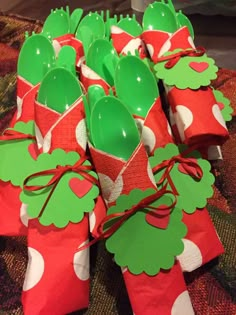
(227, 110)
(72, 198)
(140, 246)
(192, 193)
(183, 76)
(16, 162)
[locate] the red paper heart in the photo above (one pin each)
(160, 219)
(199, 66)
(80, 187)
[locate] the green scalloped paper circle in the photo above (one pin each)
(183, 76)
(73, 197)
(227, 110)
(16, 162)
(192, 193)
(140, 246)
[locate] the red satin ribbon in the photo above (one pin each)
(10, 134)
(174, 58)
(57, 174)
(189, 165)
(123, 216)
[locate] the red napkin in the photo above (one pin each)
(13, 216)
(57, 278)
(161, 294)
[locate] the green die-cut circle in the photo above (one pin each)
(183, 76)
(227, 110)
(16, 162)
(64, 205)
(192, 193)
(140, 246)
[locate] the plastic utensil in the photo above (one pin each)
(36, 58)
(85, 35)
(102, 59)
(95, 23)
(95, 92)
(66, 58)
(59, 89)
(130, 25)
(184, 21)
(57, 23)
(158, 16)
(135, 85)
(75, 19)
(112, 128)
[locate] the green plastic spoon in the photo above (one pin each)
(57, 23)
(85, 35)
(36, 58)
(102, 58)
(95, 92)
(135, 85)
(130, 25)
(59, 89)
(183, 20)
(112, 128)
(66, 58)
(158, 16)
(95, 23)
(75, 19)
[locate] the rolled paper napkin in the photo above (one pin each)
(162, 293)
(165, 293)
(58, 277)
(196, 117)
(154, 128)
(159, 42)
(125, 43)
(61, 41)
(13, 217)
(90, 77)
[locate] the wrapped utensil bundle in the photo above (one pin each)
(100, 153)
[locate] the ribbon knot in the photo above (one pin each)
(57, 173)
(173, 59)
(189, 165)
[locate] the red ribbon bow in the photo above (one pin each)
(58, 173)
(191, 167)
(123, 216)
(174, 58)
(10, 134)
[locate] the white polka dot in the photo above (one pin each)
(132, 46)
(89, 73)
(191, 257)
(116, 30)
(39, 136)
(57, 47)
(169, 129)
(81, 134)
(117, 189)
(124, 269)
(190, 40)
(92, 221)
(218, 116)
(147, 135)
(182, 305)
(81, 263)
(106, 184)
(150, 50)
(165, 48)
(183, 119)
(19, 102)
(47, 142)
(35, 269)
(150, 174)
(24, 215)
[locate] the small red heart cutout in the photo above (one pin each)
(199, 66)
(159, 219)
(80, 187)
